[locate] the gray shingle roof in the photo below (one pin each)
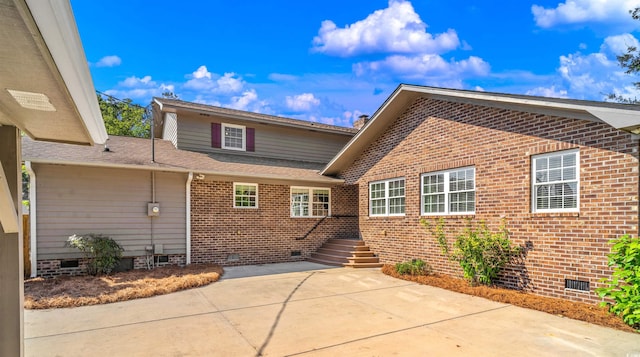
(135, 153)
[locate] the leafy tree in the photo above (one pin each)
(631, 62)
(123, 117)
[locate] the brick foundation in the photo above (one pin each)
(52, 268)
(435, 135)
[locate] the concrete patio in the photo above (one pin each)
(307, 309)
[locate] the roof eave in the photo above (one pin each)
(57, 26)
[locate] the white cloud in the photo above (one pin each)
(617, 45)
(302, 102)
(243, 101)
(109, 61)
(594, 75)
(201, 72)
(551, 92)
(139, 88)
(396, 29)
(425, 66)
(582, 11)
(134, 81)
(203, 80)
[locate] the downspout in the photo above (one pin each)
(33, 255)
(188, 217)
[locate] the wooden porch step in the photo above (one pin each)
(351, 253)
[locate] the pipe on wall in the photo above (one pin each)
(188, 218)
(33, 254)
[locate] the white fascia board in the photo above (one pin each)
(8, 213)
(58, 29)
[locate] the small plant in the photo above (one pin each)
(102, 252)
(624, 285)
(481, 253)
(414, 267)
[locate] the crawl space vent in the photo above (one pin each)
(576, 284)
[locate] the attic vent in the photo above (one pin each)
(31, 100)
(576, 285)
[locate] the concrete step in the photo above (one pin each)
(363, 259)
(329, 250)
(329, 257)
(325, 262)
(347, 242)
(362, 265)
(362, 253)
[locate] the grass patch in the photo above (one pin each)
(76, 291)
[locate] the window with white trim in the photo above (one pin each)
(245, 195)
(386, 198)
(555, 179)
(449, 192)
(233, 137)
(310, 202)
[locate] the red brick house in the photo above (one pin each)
(243, 188)
(563, 173)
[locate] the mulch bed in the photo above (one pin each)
(574, 310)
(76, 291)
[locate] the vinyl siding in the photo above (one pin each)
(107, 201)
(270, 141)
(170, 128)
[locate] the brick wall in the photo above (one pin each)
(239, 236)
(436, 135)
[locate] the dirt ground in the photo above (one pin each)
(75, 291)
(574, 310)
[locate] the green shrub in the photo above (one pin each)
(624, 285)
(414, 267)
(481, 253)
(102, 252)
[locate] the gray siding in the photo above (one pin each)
(171, 128)
(270, 140)
(113, 202)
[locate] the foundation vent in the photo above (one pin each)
(576, 284)
(296, 253)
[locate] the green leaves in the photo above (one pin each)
(623, 288)
(481, 253)
(102, 252)
(414, 267)
(124, 118)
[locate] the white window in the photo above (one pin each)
(449, 192)
(310, 202)
(245, 195)
(233, 137)
(555, 179)
(386, 198)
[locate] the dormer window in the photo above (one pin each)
(232, 137)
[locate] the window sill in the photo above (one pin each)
(454, 216)
(554, 214)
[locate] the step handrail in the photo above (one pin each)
(322, 220)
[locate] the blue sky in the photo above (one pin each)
(331, 61)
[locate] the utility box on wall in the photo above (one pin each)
(153, 209)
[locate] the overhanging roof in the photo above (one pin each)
(620, 116)
(135, 154)
(47, 89)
